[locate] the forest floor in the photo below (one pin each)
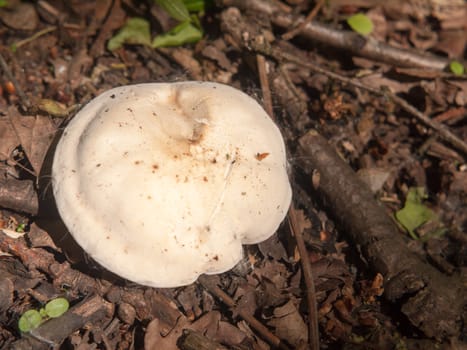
(373, 125)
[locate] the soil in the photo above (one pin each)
(369, 121)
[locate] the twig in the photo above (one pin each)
(33, 37)
(263, 78)
(345, 40)
(293, 32)
(297, 231)
(24, 99)
(294, 224)
(311, 296)
(210, 285)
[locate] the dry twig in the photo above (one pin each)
(297, 231)
(295, 227)
(295, 31)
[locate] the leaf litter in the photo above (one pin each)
(268, 284)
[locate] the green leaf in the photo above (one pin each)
(29, 320)
(43, 313)
(197, 5)
(175, 8)
(135, 31)
(415, 213)
(360, 23)
(3, 3)
(184, 33)
(56, 307)
(456, 67)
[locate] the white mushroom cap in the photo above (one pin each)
(162, 182)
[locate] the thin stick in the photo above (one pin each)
(294, 225)
(297, 231)
(293, 32)
(263, 79)
(33, 37)
(209, 284)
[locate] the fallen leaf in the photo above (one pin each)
(289, 324)
(35, 133)
(9, 138)
(22, 16)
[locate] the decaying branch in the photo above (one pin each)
(431, 301)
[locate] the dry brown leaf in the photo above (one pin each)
(209, 325)
(35, 134)
(22, 16)
(9, 139)
(154, 340)
(289, 324)
(245, 297)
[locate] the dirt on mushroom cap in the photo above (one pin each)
(161, 182)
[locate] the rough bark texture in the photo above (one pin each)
(432, 301)
(19, 195)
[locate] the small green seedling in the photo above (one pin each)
(20, 228)
(32, 319)
(360, 23)
(456, 67)
(56, 307)
(29, 320)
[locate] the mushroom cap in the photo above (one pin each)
(162, 182)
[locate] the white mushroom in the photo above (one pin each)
(162, 182)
